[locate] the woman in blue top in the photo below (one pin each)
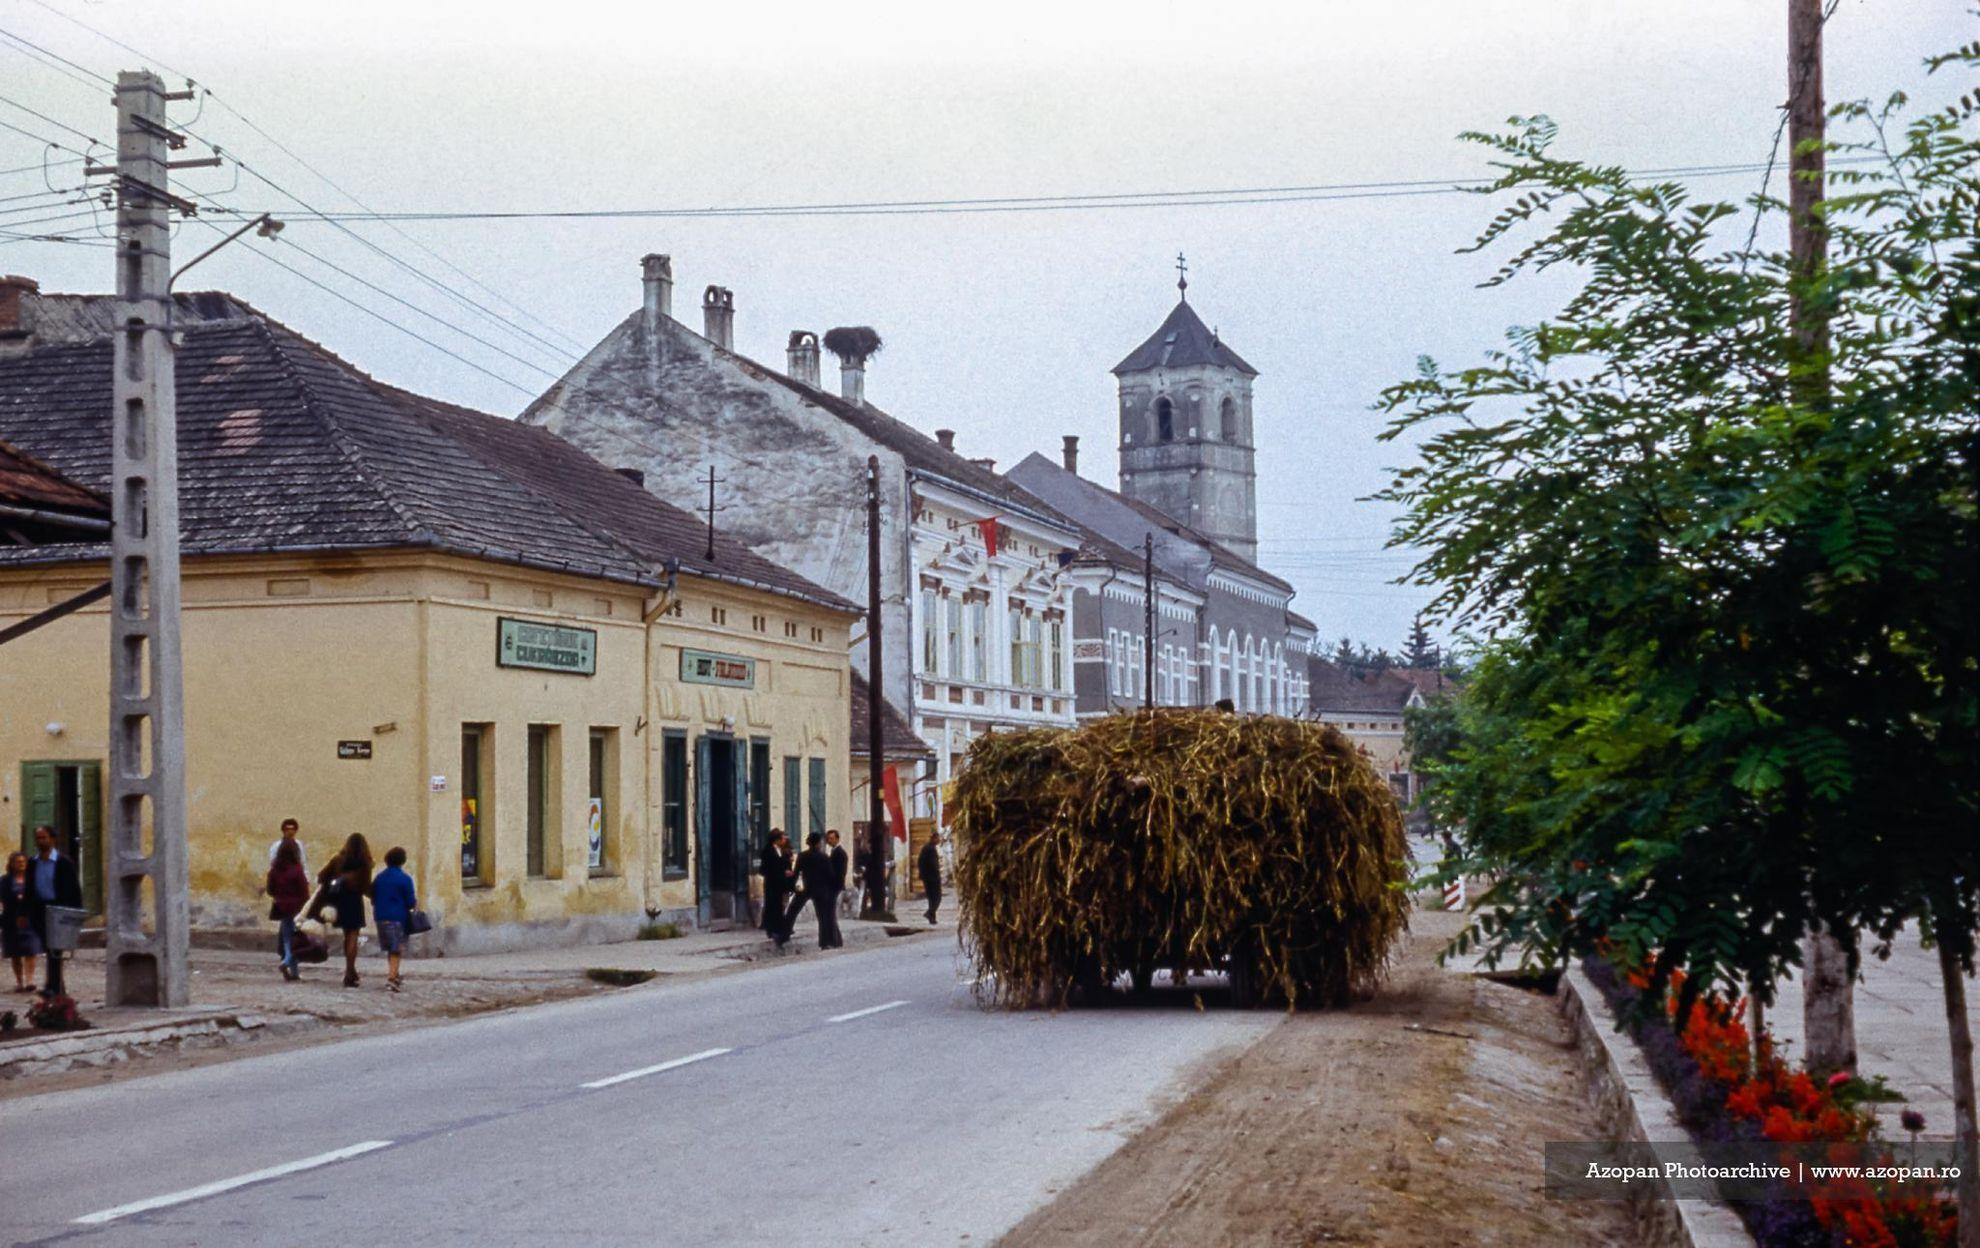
(392, 903)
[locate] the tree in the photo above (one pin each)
(1419, 651)
(1731, 689)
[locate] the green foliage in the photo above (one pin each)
(660, 931)
(1730, 689)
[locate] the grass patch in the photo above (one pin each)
(660, 931)
(614, 977)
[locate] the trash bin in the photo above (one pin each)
(65, 924)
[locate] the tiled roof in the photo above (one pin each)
(1333, 690)
(897, 736)
(1182, 340)
(27, 482)
(283, 446)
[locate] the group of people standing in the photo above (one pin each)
(818, 878)
(27, 890)
(340, 889)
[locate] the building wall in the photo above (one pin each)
(287, 657)
(1203, 474)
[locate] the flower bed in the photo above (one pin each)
(1723, 1095)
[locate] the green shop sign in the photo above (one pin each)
(546, 647)
(699, 667)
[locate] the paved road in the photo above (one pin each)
(709, 1113)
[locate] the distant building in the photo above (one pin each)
(976, 592)
(448, 631)
(1371, 711)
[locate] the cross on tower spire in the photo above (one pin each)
(1182, 275)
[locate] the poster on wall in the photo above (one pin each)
(470, 839)
(594, 822)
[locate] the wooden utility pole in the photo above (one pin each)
(878, 905)
(146, 841)
(1828, 997)
(1148, 620)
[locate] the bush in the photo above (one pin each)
(660, 931)
(1194, 840)
(56, 1014)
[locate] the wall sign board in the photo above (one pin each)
(546, 647)
(701, 667)
(353, 749)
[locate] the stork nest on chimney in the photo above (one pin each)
(853, 343)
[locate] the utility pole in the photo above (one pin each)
(146, 967)
(1148, 615)
(1828, 1000)
(878, 904)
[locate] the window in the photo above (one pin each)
(477, 864)
(1165, 420)
(790, 628)
(718, 615)
(818, 634)
(1114, 662)
(545, 851)
(758, 623)
(979, 640)
(1227, 420)
(1055, 654)
(793, 796)
(1034, 633)
(759, 795)
(603, 792)
(928, 646)
(673, 805)
(952, 637)
(815, 799)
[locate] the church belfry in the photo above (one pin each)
(1186, 442)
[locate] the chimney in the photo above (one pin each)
(852, 380)
(13, 305)
(1070, 455)
(656, 274)
(718, 316)
(803, 356)
(635, 475)
(988, 465)
(947, 437)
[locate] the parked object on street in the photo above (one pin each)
(1183, 839)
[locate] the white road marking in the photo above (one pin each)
(227, 1185)
(871, 1009)
(644, 1071)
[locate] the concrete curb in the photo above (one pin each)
(1631, 1106)
(69, 1050)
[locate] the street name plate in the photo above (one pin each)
(353, 749)
(546, 647)
(700, 667)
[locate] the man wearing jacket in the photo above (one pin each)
(929, 864)
(52, 881)
(777, 881)
(815, 874)
(841, 867)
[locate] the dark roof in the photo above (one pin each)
(283, 446)
(1182, 340)
(898, 738)
(1332, 690)
(27, 482)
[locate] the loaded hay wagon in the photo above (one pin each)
(1185, 840)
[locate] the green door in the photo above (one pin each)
(68, 796)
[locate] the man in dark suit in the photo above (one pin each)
(929, 864)
(52, 881)
(815, 875)
(841, 867)
(777, 881)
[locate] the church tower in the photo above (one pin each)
(1186, 446)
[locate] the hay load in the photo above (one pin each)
(1188, 840)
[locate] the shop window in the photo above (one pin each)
(477, 856)
(673, 805)
(603, 797)
(543, 837)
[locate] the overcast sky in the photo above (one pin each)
(1000, 325)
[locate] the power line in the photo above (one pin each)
(29, 48)
(51, 121)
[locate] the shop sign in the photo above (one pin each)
(700, 667)
(546, 647)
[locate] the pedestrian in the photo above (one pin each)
(52, 881)
(291, 835)
(288, 891)
(393, 900)
(814, 868)
(17, 932)
(930, 866)
(841, 868)
(346, 880)
(777, 878)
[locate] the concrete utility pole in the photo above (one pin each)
(1148, 615)
(878, 904)
(146, 967)
(1828, 1012)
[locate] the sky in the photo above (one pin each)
(1001, 325)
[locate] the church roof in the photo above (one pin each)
(1182, 340)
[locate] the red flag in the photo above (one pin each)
(890, 793)
(988, 527)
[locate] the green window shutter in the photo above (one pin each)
(89, 785)
(818, 795)
(37, 800)
(794, 798)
